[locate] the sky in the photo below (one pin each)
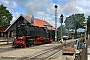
(44, 9)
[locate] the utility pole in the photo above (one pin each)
(56, 22)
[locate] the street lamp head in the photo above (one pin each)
(61, 18)
(61, 15)
(55, 6)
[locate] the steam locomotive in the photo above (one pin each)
(28, 35)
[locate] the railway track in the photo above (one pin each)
(45, 54)
(5, 48)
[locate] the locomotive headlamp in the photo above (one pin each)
(21, 37)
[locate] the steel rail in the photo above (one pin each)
(46, 53)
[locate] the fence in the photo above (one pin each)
(82, 55)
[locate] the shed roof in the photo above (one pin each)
(38, 22)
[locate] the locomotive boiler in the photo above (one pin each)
(28, 35)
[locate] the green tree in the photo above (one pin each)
(88, 24)
(75, 21)
(5, 16)
(64, 31)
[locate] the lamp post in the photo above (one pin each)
(61, 21)
(56, 22)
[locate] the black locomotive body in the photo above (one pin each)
(27, 35)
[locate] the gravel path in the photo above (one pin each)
(7, 52)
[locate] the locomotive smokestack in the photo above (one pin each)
(32, 20)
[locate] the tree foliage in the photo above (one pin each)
(88, 24)
(75, 21)
(5, 16)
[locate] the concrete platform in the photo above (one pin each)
(4, 42)
(88, 52)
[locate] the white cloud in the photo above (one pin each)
(42, 14)
(37, 6)
(70, 7)
(83, 7)
(9, 3)
(15, 15)
(45, 8)
(5, 1)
